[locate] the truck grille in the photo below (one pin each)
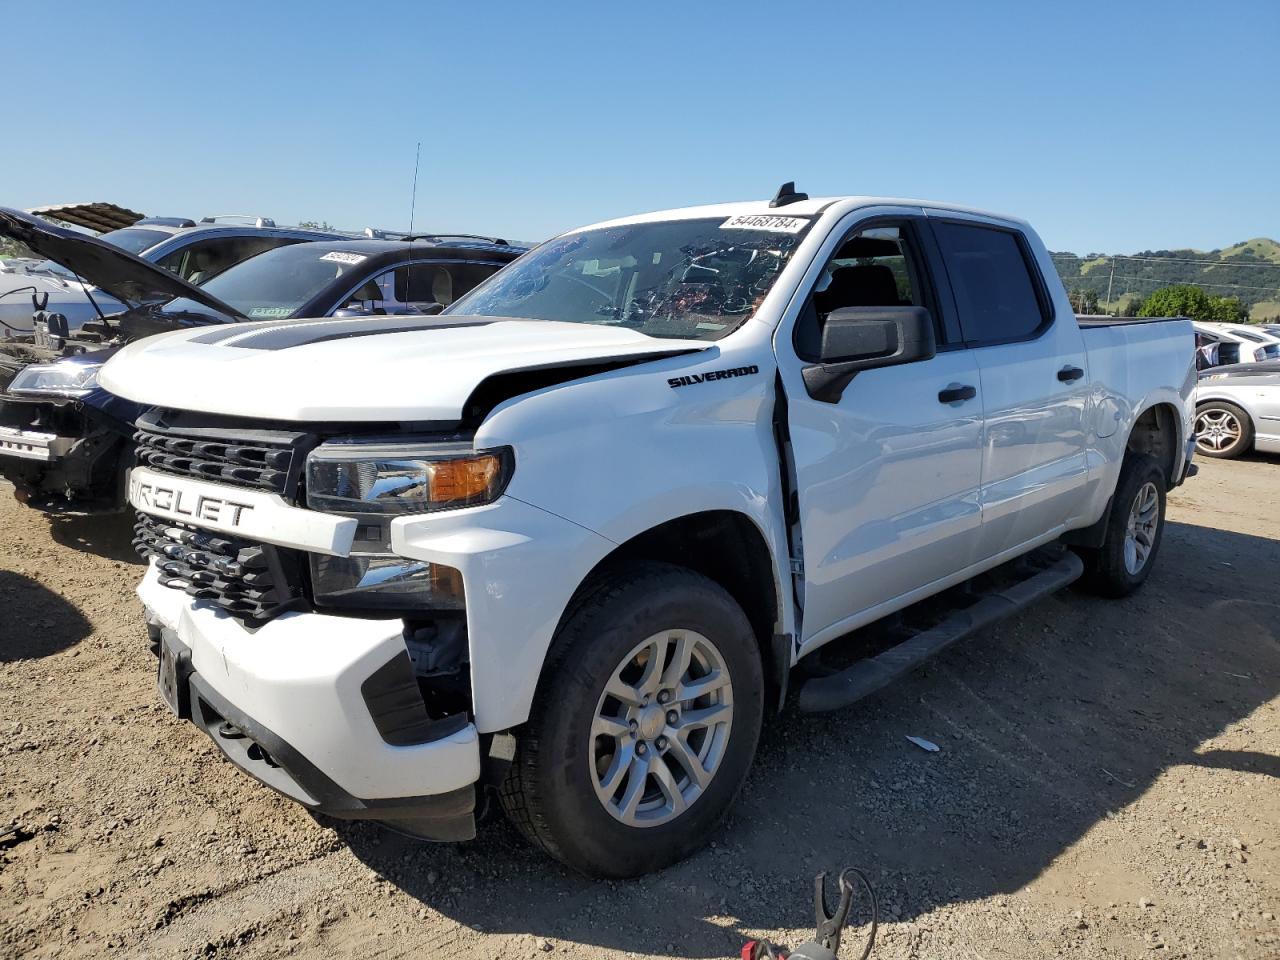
(252, 581)
(249, 580)
(258, 465)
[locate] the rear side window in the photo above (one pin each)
(440, 283)
(995, 291)
(202, 261)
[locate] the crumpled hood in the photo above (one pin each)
(368, 370)
(131, 280)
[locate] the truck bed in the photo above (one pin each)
(1087, 320)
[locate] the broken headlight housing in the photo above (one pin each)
(374, 484)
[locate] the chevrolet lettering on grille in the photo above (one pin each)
(253, 514)
(146, 494)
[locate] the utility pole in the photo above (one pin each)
(1111, 280)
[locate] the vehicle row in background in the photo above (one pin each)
(192, 251)
(66, 443)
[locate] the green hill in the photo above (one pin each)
(1249, 270)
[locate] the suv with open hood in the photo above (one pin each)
(65, 441)
(193, 251)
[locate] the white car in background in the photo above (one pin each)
(1239, 342)
(1238, 409)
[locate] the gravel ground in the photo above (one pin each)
(1106, 786)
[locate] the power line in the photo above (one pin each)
(1108, 256)
(1197, 283)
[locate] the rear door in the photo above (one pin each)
(888, 473)
(1034, 383)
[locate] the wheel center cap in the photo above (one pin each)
(651, 721)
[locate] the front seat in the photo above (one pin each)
(862, 285)
(442, 287)
(202, 262)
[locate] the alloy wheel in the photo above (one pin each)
(661, 728)
(1140, 531)
(1217, 430)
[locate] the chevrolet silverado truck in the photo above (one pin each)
(570, 542)
(66, 443)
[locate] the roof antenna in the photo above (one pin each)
(787, 194)
(413, 199)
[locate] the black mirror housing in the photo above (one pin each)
(864, 338)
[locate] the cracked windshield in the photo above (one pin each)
(688, 279)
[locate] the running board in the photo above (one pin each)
(865, 677)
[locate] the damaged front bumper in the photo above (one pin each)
(33, 445)
(66, 455)
(323, 709)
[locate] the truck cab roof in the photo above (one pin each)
(810, 207)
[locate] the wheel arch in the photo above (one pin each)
(1158, 432)
(729, 548)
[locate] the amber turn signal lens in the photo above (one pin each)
(464, 479)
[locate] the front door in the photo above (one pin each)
(888, 474)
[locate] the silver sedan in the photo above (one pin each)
(1238, 409)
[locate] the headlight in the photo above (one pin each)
(62, 378)
(376, 484)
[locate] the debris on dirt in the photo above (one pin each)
(12, 835)
(1123, 783)
(924, 744)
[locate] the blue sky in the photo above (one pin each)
(1111, 126)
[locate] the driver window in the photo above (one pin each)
(375, 295)
(872, 268)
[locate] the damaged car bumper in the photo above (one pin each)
(325, 710)
(66, 455)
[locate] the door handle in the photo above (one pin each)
(957, 393)
(1069, 373)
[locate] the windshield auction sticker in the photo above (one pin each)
(768, 222)
(340, 257)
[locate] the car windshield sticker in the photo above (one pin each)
(267, 313)
(773, 224)
(339, 257)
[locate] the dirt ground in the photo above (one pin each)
(1107, 785)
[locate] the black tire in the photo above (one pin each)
(550, 793)
(1107, 572)
(1220, 411)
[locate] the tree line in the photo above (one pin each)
(1178, 300)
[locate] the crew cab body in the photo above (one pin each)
(698, 445)
(66, 443)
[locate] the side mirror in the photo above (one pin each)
(864, 338)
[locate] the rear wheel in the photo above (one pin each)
(1135, 525)
(1222, 429)
(644, 725)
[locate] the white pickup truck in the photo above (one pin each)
(571, 541)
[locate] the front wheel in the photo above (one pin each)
(1135, 526)
(644, 725)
